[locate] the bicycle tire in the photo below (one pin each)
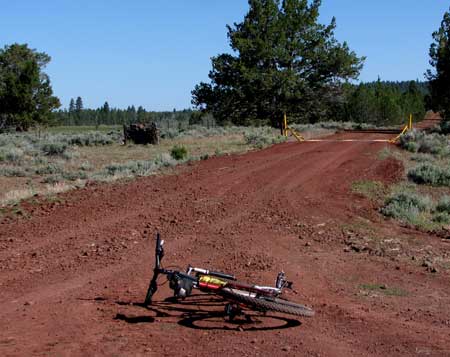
(148, 297)
(266, 303)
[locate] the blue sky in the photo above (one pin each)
(153, 52)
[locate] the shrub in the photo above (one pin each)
(419, 141)
(40, 160)
(441, 218)
(13, 171)
(90, 139)
(444, 205)
(139, 168)
(48, 169)
(262, 137)
(178, 152)
(165, 160)
(70, 155)
(73, 176)
(445, 127)
(86, 166)
(422, 158)
(257, 140)
(53, 148)
(53, 179)
(169, 133)
(406, 206)
(11, 154)
(430, 174)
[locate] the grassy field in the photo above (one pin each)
(62, 158)
(66, 157)
(83, 129)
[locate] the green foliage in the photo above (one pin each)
(422, 158)
(53, 148)
(53, 179)
(440, 60)
(26, 96)
(285, 62)
(262, 137)
(382, 103)
(13, 171)
(89, 139)
(422, 142)
(11, 154)
(107, 116)
(141, 168)
(406, 206)
(49, 169)
(73, 176)
(383, 289)
(136, 168)
(430, 174)
(373, 190)
(178, 152)
(442, 218)
(444, 205)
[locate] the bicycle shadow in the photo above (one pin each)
(205, 312)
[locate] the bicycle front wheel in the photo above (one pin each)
(265, 303)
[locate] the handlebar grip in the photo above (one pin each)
(222, 275)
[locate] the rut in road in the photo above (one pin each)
(67, 271)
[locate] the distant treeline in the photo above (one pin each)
(77, 115)
(380, 103)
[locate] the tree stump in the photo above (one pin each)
(141, 133)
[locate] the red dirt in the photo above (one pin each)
(73, 273)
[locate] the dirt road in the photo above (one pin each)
(73, 274)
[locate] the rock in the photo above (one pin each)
(431, 267)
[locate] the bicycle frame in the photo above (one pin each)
(205, 280)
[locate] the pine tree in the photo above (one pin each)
(71, 106)
(26, 95)
(140, 115)
(286, 62)
(440, 60)
(105, 113)
(78, 111)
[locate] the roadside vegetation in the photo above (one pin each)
(62, 158)
(424, 200)
(59, 160)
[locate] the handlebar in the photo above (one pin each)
(159, 254)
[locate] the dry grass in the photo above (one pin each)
(72, 165)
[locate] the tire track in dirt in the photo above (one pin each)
(253, 214)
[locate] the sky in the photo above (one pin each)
(153, 52)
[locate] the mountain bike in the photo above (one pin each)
(238, 294)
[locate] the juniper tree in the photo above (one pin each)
(285, 61)
(26, 95)
(440, 60)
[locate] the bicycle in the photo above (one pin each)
(239, 295)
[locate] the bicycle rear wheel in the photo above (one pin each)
(265, 303)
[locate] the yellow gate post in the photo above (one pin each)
(408, 127)
(287, 129)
